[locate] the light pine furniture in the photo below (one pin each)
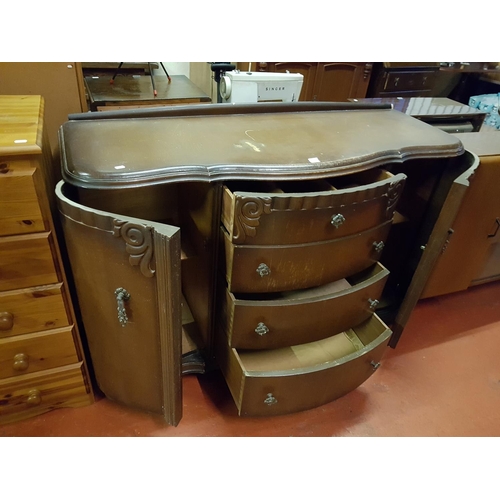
(42, 363)
(472, 252)
(289, 242)
(59, 83)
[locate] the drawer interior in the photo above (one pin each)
(312, 186)
(314, 354)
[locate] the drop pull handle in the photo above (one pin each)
(121, 297)
(375, 365)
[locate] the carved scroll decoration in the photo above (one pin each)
(393, 194)
(247, 216)
(139, 244)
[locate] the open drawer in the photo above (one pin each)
(287, 213)
(291, 379)
(268, 321)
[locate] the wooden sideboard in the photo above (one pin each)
(289, 242)
(326, 81)
(42, 364)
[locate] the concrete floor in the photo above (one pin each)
(443, 379)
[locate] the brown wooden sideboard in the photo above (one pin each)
(289, 242)
(42, 364)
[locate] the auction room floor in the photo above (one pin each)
(443, 379)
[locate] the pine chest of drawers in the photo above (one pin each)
(290, 243)
(41, 359)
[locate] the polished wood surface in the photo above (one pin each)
(21, 124)
(255, 142)
(280, 213)
(280, 381)
(325, 261)
(434, 110)
(290, 143)
(32, 309)
(37, 322)
(470, 256)
(59, 83)
(19, 208)
(138, 90)
(34, 393)
(26, 261)
(38, 351)
(264, 322)
(138, 360)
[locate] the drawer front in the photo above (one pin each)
(305, 376)
(32, 394)
(301, 317)
(253, 218)
(37, 351)
(19, 209)
(420, 80)
(256, 269)
(32, 310)
(26, 261)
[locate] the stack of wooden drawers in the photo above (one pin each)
(302, 282)
(41, 360)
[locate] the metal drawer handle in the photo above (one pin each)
(261, 329)
(375, 365)
(378, 245)
(6, 321)
(337, 220)
(21, 362)
(373, 304)
(121, 296)
(270, 400)
(263, 270)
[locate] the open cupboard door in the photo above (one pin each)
(127, 276)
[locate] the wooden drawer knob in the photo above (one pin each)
(6, 321)
(21, 362)
(34, 397)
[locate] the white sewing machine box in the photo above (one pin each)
(246, 86)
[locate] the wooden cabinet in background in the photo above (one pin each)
(59, 83)
(471, 255)
(326, 81)
(42, 363)
(403, 80)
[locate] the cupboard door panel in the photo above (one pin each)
(337, 81)
(127, 276)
